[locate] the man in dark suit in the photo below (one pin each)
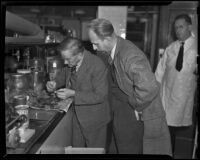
(138, 118)
(86, 82)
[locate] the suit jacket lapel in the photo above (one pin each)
(117, 60)
(82, 70)
(117, 49)
(68, 76)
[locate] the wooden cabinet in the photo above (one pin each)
(142, 28)
(59, 138)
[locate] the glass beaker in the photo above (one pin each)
(17, 84)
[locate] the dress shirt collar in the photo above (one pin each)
(113, 51)
(79, 63)
(186, 41)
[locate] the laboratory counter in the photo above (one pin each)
(52, 129)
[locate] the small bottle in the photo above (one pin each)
(18, 55)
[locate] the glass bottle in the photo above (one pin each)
(17, 84)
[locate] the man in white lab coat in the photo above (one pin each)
(176, 74)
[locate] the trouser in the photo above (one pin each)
(127, 131)
(173, 133)
(83, 137)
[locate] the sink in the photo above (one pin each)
(37, 123)
(42, 121)
(36, 114)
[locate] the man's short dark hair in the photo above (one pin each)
(185, 17)
(73, 44)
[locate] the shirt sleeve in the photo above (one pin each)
(145, 87)
(161, 67)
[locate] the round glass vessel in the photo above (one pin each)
(37, 64)
(17, 84)
(38, 81)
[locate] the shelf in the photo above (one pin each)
(24, 41)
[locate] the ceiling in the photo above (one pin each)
(68, 11)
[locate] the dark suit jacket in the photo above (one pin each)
(137, 81)
(91, 94)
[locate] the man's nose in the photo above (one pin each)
(65, 62)
(178, 30)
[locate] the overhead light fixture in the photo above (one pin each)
(35, 10)
(79, 11)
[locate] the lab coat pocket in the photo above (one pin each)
(153, 128)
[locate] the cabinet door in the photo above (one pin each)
(142, 30)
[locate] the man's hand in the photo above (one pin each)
(51, 86)
(65, 93)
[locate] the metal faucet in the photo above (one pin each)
(27, 55)
(17, 54)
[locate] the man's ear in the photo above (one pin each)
(108, 39)
(190, 27)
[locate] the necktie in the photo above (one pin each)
(73, 77)
(73, 70)
(110, 60)
(179, 61)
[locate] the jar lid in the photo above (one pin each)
(24, 71)
(21, 107)
(17, 75)
(20, 97)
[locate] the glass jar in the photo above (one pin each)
(55, 63)
(55, 66)
(37, 64)
(17, 84)
(39, 80)
(28, 76)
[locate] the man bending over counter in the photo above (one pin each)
(85, 78)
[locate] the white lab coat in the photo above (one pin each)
(178, 88)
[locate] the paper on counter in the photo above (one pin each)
(64, 104)
(26, 135)
(77, 150)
